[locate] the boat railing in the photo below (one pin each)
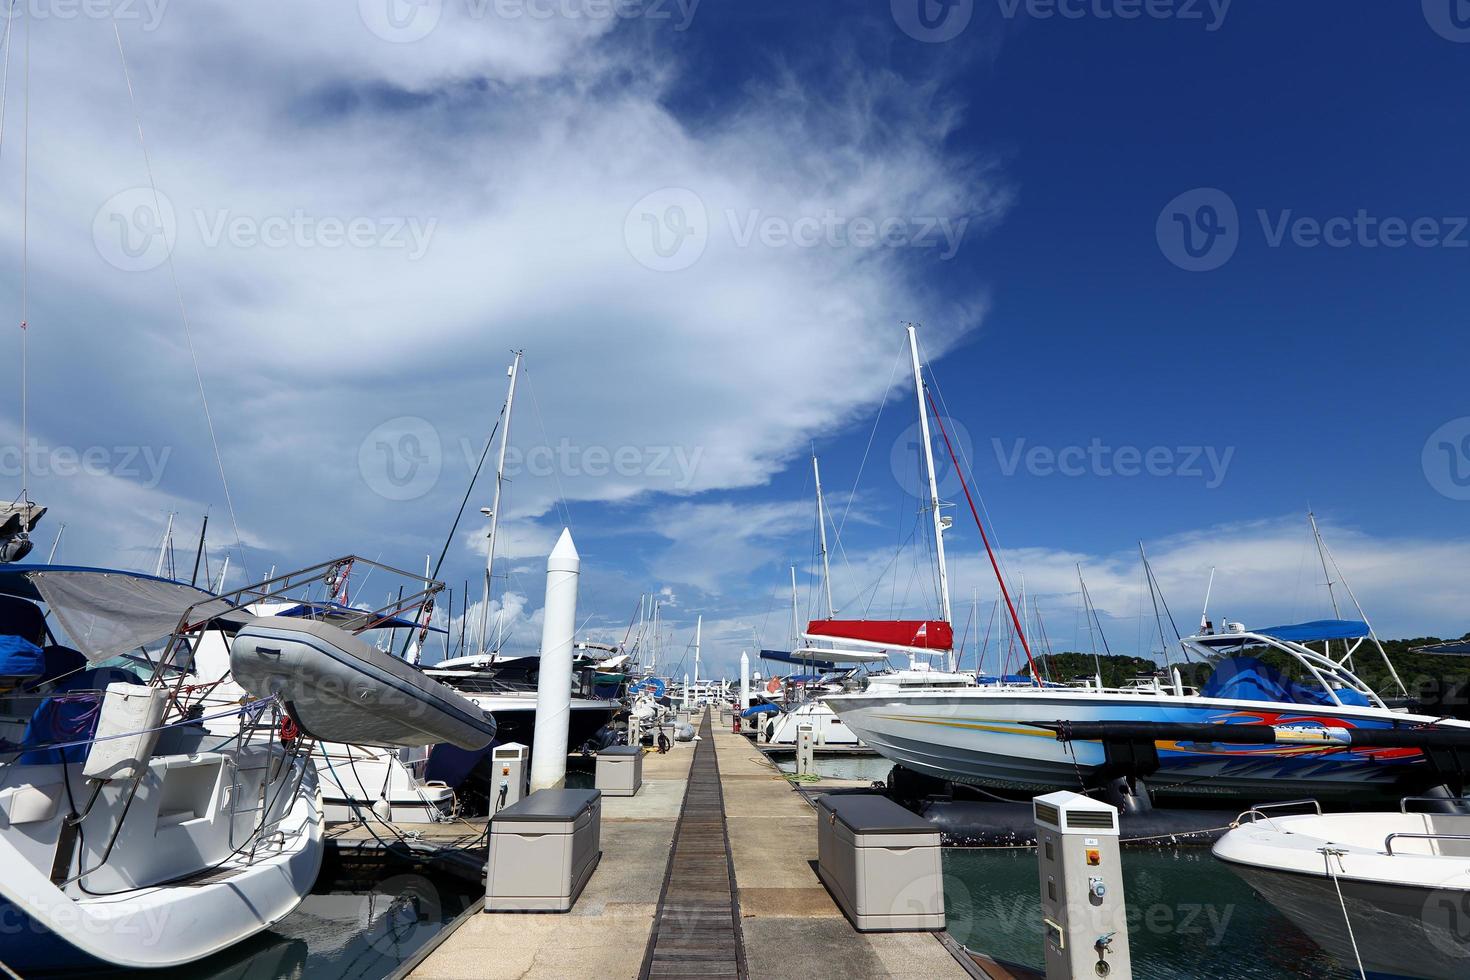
(1329, 674)
(1388, 841)
(1441, 800)
(1258, 810)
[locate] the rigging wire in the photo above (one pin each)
(563, 507)
(990, 552)
(25, 266)
(178, 291)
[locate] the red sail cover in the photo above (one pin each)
(933, 634)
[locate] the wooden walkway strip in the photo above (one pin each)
(696, 931)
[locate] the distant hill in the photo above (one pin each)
(1116, 670)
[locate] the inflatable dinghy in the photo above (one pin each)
(340, 689)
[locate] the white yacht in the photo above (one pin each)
(154, 814)
(143, 823)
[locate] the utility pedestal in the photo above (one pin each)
(510, 765)
(1085, 921)
(806, 742)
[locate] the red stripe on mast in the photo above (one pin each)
(1015, 620)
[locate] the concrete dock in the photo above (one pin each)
(787, 923)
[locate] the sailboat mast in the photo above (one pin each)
(698, 629)
(494, 514)
(822, 537)
(168, 534)
(929, 468)
(795, 619)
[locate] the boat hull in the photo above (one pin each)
(223, 903)
(993, 738)
(339, 689)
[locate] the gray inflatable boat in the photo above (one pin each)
(340, 689)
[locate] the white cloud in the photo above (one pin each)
(518, 151)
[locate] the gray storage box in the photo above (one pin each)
(881, 863)
(542, 851)
(620, 770)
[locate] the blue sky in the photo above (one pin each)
(668, 212)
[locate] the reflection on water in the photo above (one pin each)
(864, 767)
(362, 935)
(1189, 916)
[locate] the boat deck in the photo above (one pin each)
(655, 868)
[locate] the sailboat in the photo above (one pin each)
(1005, 735)
(802, 703)
(504, 686)
(154, 811)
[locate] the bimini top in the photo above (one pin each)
(1321, 629)
(108, 612)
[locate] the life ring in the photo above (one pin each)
(290, 731)
(773, 686)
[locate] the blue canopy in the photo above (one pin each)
(653, 685)
(1321, 629)
(787, 658)
(760, 709)
(1249, 679)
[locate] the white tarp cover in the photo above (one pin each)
(106, 614)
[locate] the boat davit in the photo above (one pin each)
(340, 689)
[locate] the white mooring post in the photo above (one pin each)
(1084, 915)
(744, 692)
(805, 749)
(554, 686)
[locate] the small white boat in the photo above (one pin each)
(1386, 894)
(827, 728)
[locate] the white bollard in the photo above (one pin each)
(554, 686)
(744, 691)
(805, 754)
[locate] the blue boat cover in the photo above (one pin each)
(760, 709)
(653, 685)
(1250, 679)
(1011, 679)
(20, 657)
(786, 658)
(1321, 629)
